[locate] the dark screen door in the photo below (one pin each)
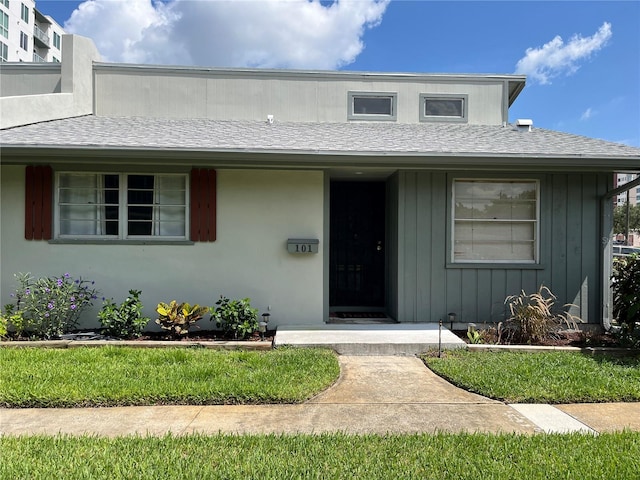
(357, 249)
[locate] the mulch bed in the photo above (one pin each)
(563, 339)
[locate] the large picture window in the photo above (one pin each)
(121, 206)
(495, 221)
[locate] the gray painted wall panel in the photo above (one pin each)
(438, 246)
(158, 92)
(569, 263)
(392, 246)
(18, 80)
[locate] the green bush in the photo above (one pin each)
(50, 306)
(125, 320)
(235, 317)
(11, 321)
(626, 298)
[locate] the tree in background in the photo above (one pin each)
(620, 218)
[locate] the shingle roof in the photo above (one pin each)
(351, 138)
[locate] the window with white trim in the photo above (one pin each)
(372, 106)
(495, 221)
(24, 41)
(443, 108)
(4, 52)
(121, 206)
(24, 13)
(4, 25)
(56, 40)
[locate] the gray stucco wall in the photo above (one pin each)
(257, 211)
(30, 79)
(168, 92)
(429, 286)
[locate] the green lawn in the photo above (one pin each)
(109, 376)
(550, 377)
(326, 456)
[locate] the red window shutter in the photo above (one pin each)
(38, 204)
(203, 205)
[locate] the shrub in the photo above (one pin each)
(626, 298)
(125, 320)
(178, 317)
(235, 317)
(11, 321)
(51, 306)
(532, 318)
(3, 325)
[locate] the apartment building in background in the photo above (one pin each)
(27, 35)
(633, 193)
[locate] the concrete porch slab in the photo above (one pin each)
(372, 339)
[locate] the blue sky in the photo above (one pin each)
(582, 58)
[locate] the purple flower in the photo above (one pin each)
(12, 295)
(66, 275)
(73, 307)
(73, 299)
(76, 281)
(46, 314)
(59, 282)
(46, 289)
(27, 292)
(50, 305)
(93, 297)
(103, 299)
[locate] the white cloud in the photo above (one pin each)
(587, 114)
(240, 33)
(556, 58)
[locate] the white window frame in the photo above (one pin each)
(393, 102)
(56, 40)
(4, 52)
(123, 205)
(24, 13)
(4, 24)
(535, 221)
(424, 97)
(24, 41)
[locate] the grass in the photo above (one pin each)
(335, 456)
(550, 377)
(110, 376)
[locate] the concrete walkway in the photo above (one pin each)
(375, 394)
(370, 339)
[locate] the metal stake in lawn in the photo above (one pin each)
(440, 339)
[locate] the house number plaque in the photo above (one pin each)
(302, 245)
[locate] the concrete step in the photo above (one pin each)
(370, 339)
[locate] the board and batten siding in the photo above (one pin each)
(429, 286)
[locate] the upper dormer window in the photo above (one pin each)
(372, 106)
(443, 108)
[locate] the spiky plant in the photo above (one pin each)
(533, 319)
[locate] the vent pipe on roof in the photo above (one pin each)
(524, 124)
(270, 119)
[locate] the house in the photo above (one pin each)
(311, 192)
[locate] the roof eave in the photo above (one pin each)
(302, 158)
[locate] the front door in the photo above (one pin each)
(357, 249)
